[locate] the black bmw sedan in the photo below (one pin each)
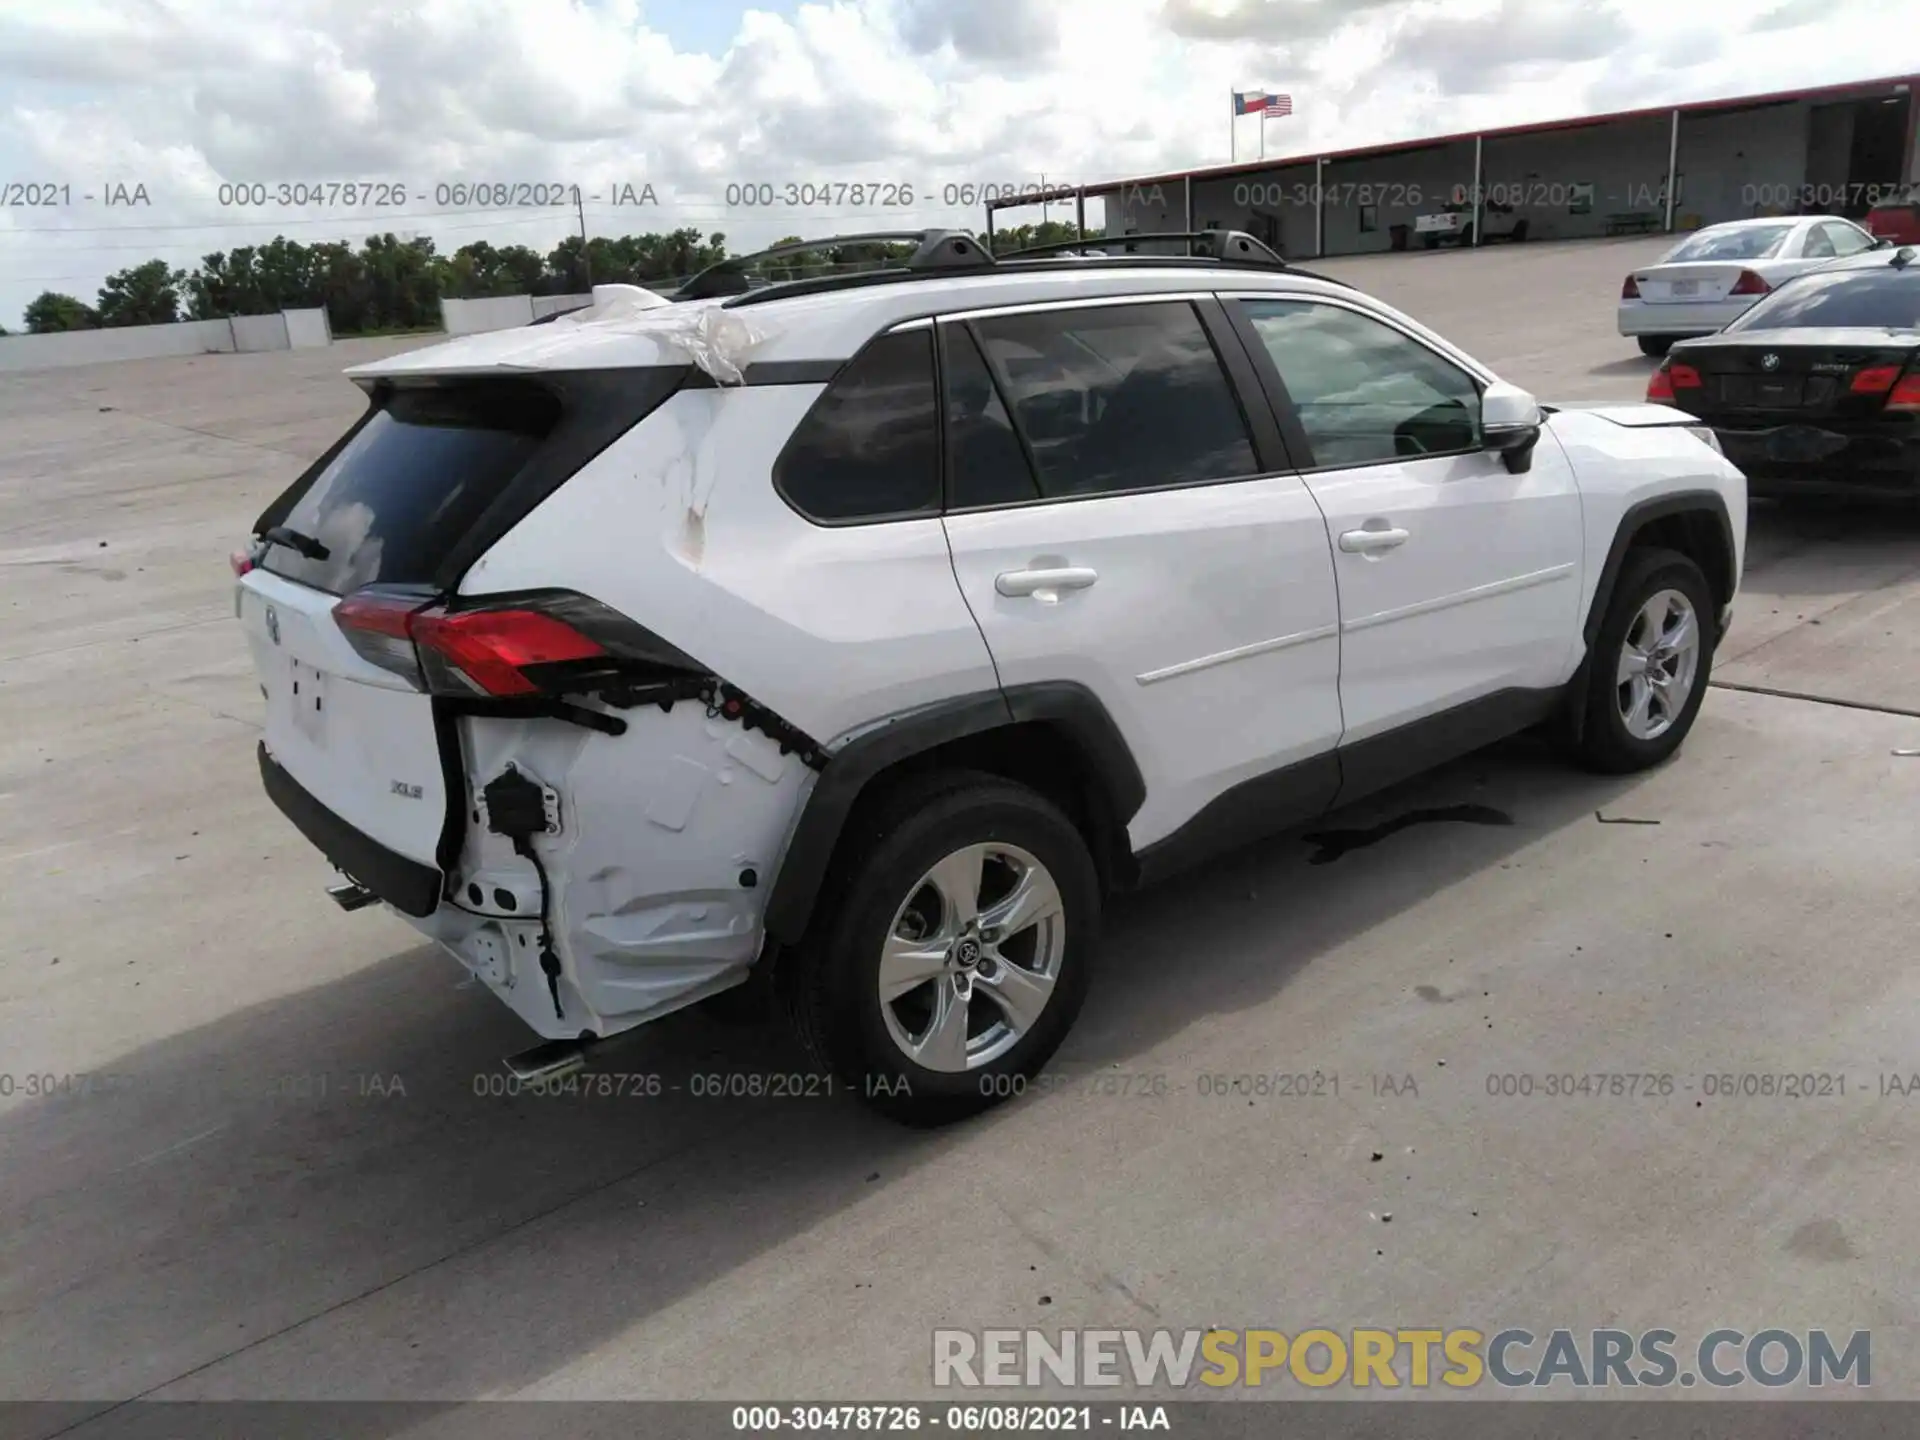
(1817, 387)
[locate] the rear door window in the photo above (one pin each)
(413, 479)
(869, 449)
(986, 463)
(1120, 397)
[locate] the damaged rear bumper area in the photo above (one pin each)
(638, 887)
(652, 852)
(408, 886)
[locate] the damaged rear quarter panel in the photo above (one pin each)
(661, 829)
(677, 526)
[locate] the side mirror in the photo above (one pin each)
(1510, 422)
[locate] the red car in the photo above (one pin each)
(1896, 221)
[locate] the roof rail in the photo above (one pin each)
(933, 250)
(1209, 244)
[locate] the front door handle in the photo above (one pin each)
(1044, 585)
(1366, 542)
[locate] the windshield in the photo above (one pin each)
(1872, 299)
(1753, 242)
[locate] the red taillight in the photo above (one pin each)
(490, 649)
(241, 561)
(1660, 387)
(1906, 395)
(1875, 380)
(503, 650)
(1630, 290)
(1683, 377)
(1749, 284)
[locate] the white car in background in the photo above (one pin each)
(1711, 277)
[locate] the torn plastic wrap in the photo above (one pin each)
(716, 340)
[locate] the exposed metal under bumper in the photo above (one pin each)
(549, 1061)
(351, 895)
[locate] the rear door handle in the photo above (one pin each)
(1044, 585)
(1365, 542)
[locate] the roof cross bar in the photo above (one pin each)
(1210, 244)
(933, 250)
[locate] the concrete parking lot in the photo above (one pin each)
(282, 1182)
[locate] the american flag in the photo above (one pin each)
(1259, 102)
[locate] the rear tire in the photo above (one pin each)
(1650, 664)
(905, 991)
(1655, 345)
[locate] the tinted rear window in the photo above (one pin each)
(869, 449)
(1754, 243)
(1846, 298)
(1118, 397)
(412, 481)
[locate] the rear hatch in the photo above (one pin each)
(356, 749)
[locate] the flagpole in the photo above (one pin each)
(1263, 134)
(1233, 125)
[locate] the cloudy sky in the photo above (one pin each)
(688, 96)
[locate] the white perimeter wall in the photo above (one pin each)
(259, 332)
(243, 334)
(504, 312)
(307, 329)
(553, 304)
(128, 342)
(495, 312)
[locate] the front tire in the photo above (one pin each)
(1650, 664)
(951, 953)
(1655, 345)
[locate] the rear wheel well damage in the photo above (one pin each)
(1056, 739)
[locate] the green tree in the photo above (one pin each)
(52, 311)
(1047, 232)
(147, 294)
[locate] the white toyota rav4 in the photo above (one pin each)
(865, 631)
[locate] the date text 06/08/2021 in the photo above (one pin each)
(994, 1419)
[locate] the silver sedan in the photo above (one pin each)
(1715, 273)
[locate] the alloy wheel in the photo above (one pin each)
(972, 957)
(1659, 662)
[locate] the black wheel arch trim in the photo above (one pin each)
(877, 749)
(1636, 517)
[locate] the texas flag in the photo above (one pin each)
(1259, 102)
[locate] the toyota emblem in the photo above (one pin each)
(1770, 361)
(967, 951)
(273, 624)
